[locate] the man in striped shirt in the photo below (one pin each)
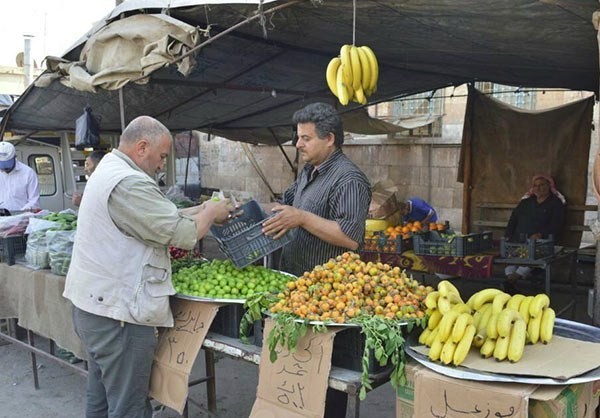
(326, 207)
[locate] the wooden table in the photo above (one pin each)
(35, 298)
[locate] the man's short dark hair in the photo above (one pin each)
(96, 156)
(326, 119)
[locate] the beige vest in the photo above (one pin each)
(112, 274)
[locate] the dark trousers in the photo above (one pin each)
(119, 365)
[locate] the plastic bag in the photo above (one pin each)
(60, 249)
(14, 225)
(36, 254)
(175, 195)
(87, 130)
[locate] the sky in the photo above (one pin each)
(55, 25)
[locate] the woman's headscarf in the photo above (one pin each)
(553, 189)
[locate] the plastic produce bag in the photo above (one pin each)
(87, 130)
(60, 249)
(14, 225)
(36, 254)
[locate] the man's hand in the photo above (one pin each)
(286, 218)
(76, 198)
(537, 235)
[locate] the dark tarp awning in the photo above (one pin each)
(246, 86)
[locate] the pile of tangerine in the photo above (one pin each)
(346, 287)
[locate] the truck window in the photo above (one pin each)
(43, 165)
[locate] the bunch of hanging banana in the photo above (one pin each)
(495, 322)
(353, 74)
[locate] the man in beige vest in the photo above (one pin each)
(120, 275)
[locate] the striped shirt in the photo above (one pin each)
(338, 190)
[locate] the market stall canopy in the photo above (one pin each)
(246, 83)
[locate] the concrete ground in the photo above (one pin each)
(62, 391)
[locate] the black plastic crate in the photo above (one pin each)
(227, 320)
(486, 241)
(348, 348)
(11, 248)
(242, 239)
(432, 243)
(532, 249)
(381, 243)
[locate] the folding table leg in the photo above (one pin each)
(211, 386)
(34, 369)
(353, 408)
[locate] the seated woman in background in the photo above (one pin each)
(416, 209)
(540, 213)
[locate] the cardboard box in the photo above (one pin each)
(430, 394)
(383, 205)
(405, 395)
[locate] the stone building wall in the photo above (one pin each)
(424, 167)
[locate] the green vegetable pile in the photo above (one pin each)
(68, 221)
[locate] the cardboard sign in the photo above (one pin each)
(296, 384)
(177, 350)
(440, 396)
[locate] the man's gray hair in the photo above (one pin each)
(144, 127)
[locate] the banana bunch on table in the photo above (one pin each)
(353, 74)
(493, 321)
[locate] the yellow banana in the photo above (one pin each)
(446, 325)
(423, 336)
(464, 345)
(487, 349)
(479, 315)
(524, 308)
(365, 68)
(492, 326)
(461, 308)
(346, 65)
(540, 301)
(431, 299)
(444, 305)
(533, 329)
(499, 302)
(501, 349)
(505, 321)
(515, 301)
(359, 95)
(448, 352)
(342, 92)
(518, 336)
(356, 68)
(446, 288)
(434, 319)
(431, 337)
(331, 74)
(486, 313)
(435, 350)
(547, 325)
(460, 326)
(484, 296)
(478, 341)
(374, 68)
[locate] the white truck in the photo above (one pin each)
(59, 166)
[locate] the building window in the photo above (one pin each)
(43, 165)
(420, 114)
(524, 99)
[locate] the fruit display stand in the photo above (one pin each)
(572, 397)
